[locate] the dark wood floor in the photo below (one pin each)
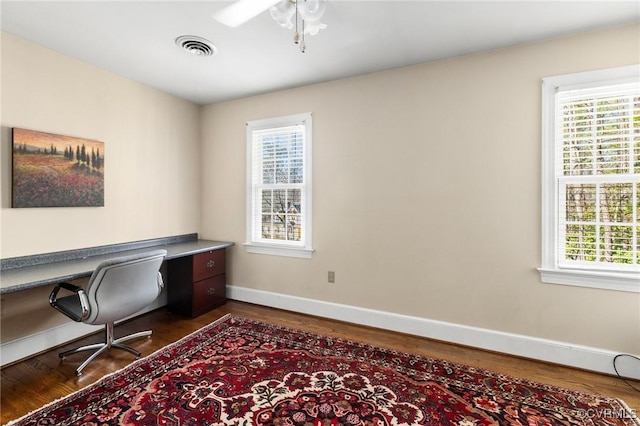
(29, 384)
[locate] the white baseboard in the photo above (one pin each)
(584, 357)
(32, 344)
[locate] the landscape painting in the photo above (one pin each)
(56, 171)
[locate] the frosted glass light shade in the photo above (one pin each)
(312, 10)
(283, 13)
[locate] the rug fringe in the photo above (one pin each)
(631, 412)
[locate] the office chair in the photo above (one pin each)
(118, 288)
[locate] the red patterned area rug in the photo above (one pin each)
(237, 371)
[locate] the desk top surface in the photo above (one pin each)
(24, 278)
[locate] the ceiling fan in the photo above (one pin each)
(287, 13)
(241, 11)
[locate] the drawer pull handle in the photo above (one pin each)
(211, 291)
(211, 264)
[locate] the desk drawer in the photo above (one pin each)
(209, 293)
(209, 264)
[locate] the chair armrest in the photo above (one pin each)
(160, 281)
(82, 300)
(66, 286)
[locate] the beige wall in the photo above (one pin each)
(426, 193)
(152, 175)
(426, 184)
(152, 143)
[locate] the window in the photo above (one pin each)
(591, 179)
(279, 186)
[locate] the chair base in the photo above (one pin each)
(109, 343)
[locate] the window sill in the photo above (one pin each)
(278, 250)
(604, 280)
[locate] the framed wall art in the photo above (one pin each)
(56, 171)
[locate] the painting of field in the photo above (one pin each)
(56, 171)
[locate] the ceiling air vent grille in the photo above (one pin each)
(196, 45)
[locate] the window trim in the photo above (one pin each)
(550, 271)
(304, 250)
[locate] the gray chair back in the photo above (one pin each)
(122, 286)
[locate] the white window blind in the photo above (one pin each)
(278, 207)
(591, 179)
(598, 148)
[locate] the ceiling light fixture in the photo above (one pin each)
(197, 46)
(304, 15)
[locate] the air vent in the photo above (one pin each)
(196, 45)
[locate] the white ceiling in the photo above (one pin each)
(136, 38)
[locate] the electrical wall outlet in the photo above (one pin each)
(332, 277)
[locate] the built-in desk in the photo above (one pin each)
(29, 325)
(23, 273)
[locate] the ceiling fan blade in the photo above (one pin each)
(242, 11)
